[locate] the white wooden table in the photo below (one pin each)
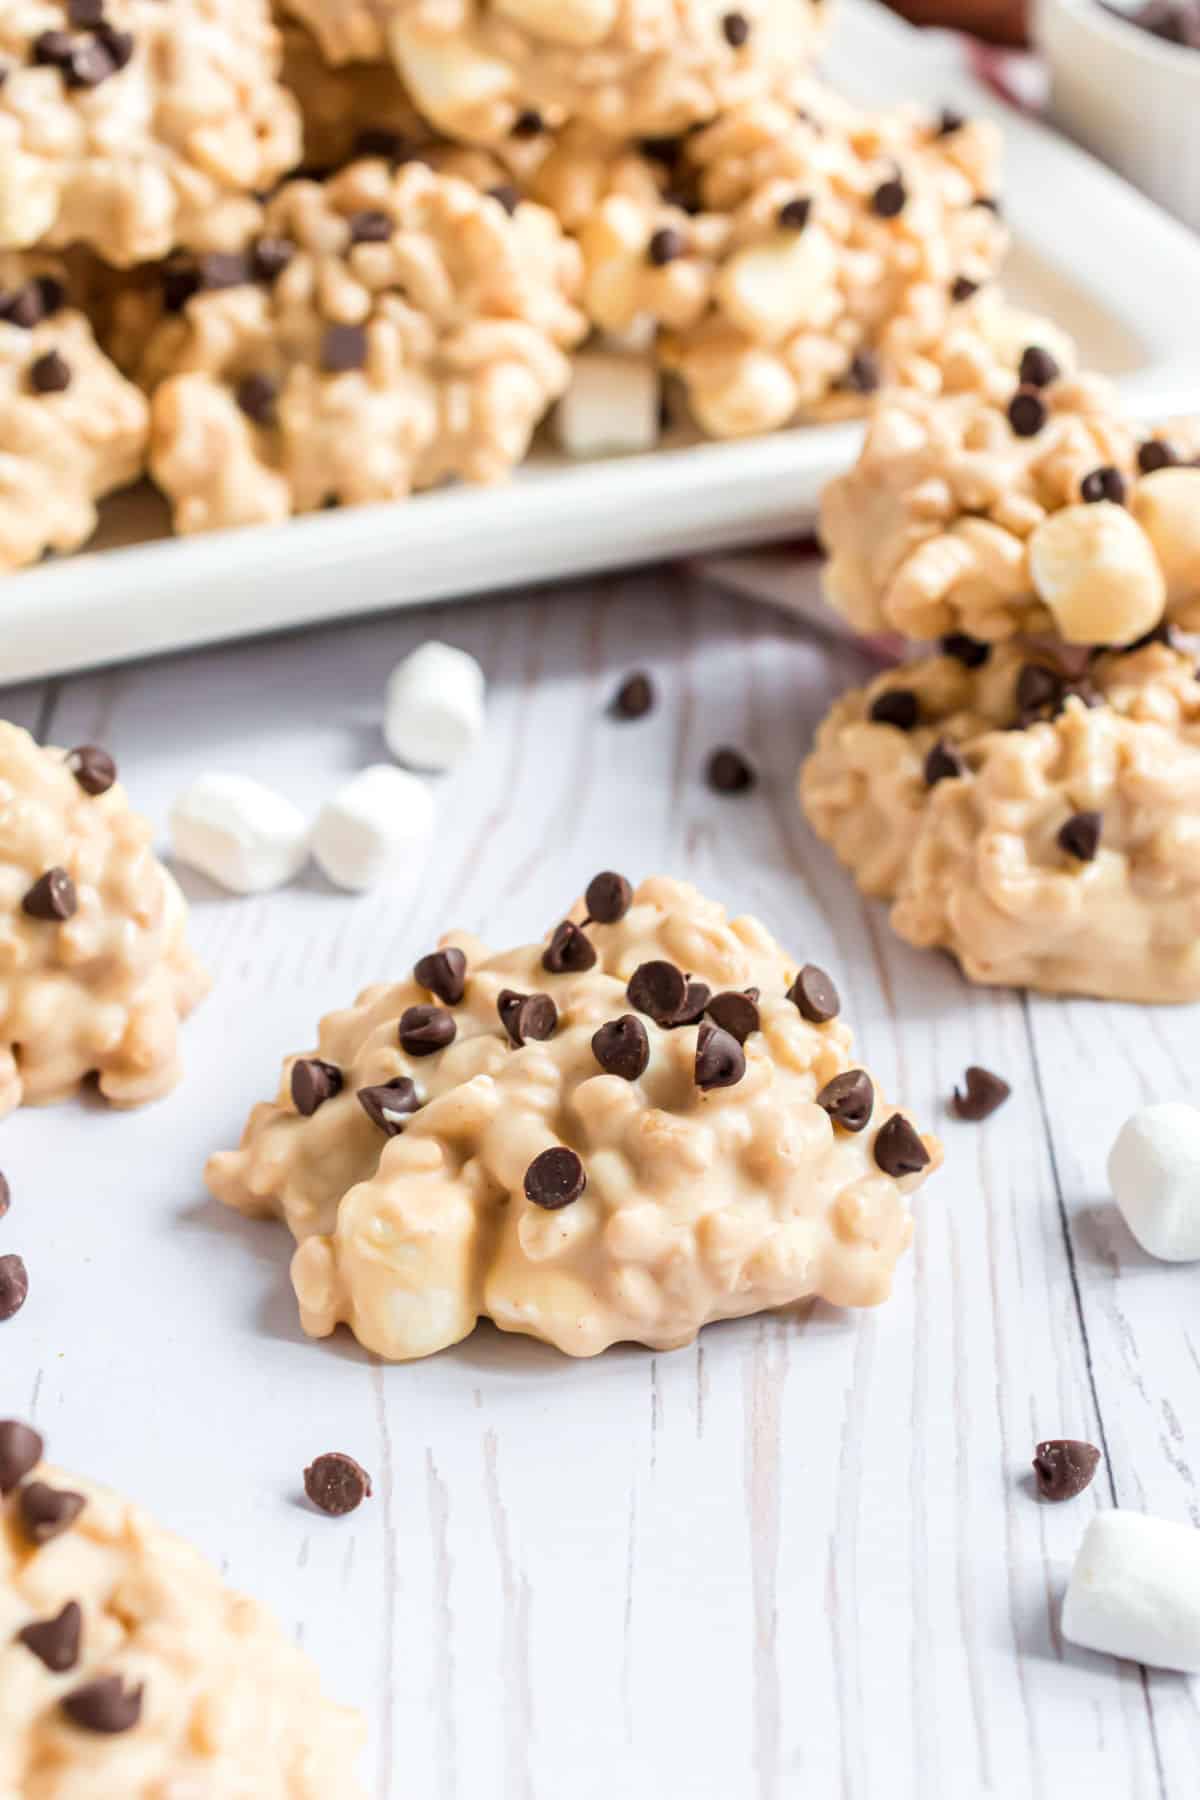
(802, 1557)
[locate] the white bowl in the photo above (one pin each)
(1128, 96)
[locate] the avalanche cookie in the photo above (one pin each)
(1037, 821)
(650, 1120)
(384, 331)
(97, 973)
(136, 125)
(128, 1669)
(1031, 505)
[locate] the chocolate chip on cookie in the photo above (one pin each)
(1027, 412)
(608, 897)
(336, 1484)
(720, 1059)
(270, 256)
(424, 1030)
(948, 122)
(849, 1099)
(93, 768)
(794, 214)
(55, 1642)
(634, 698)
(369, 227)
(14, 1285)
(659, 990)
(863, 375)
(735, 27)
(529, 123)
(570, 950)
(943, 764)
(21, 1450)
(527, 1017)
(46, 1512)
(622, 1047)
(695, 1004)
(898, 1149)
(389, 1103)
(815, 996)
(966, 650)
(313, 1083)
(666, 245)
(343, 349)
(890, 198)
(258, 396)
(505, 195)
(1038, 689)
(1154, 454)
(50, 374)
(105, 1706)
(735, 1013)
(728, 772)
(52, 897)
(1037, 367)
(1105, 483)
(896, 706)
(1064, 1467)
(555, 1178)
(962, 288)
(85, 15)
(444, 973)
(1080, 836)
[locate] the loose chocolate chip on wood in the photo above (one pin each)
(257, 396)
(52, 897)
(5, 1195)
(47, 1512)
(555, 1178)
(55, 1642)
(981, 1095)
(1037, 368)
(570, 950)
(1103, 484)
(849, 1099)
(424, 1030)
(720, 1059)
(50, 374)
(1027, 412)
(444, 973)
(336, 1484)
(93, 768)
(20, 1451)
(1080, 836)
(634, 698)
(898, 1149)
(666, 245)
(896, 706)
(105, 1706)
(794, 214)
(505, 195)
(343, 348)
(622, 1047)
(728, 772)
(14, 1285)
(526, 1017)
(814, 994)
(966, 650)
(389, 1103)
(1154, 454)
(659, 990)
(1064, 1467)
(889, 199)
(736, 29)
(608, 898)
(313, 1083)
(943, 764)
(735, 1013)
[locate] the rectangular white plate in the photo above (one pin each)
(1089, 250)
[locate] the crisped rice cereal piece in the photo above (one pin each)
(96, 968)
(146, 131)
(570, 1166)
(127, 1667)
(1039, 823)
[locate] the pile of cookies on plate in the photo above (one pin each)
(338, 252)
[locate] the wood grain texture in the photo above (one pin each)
(801, 1557)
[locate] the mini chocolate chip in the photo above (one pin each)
(90, 64)
(949, 122)
(608, 897)
(815, 995)
(343, 349)
(222, 269)
(666, 245)
(1037, 688)
(898, 1149)
(720, 1059)
(424, 1030)
(50, 374)
(555, 1178)
(981, 1095)
(794, 214)
(22, 306)
(313, 1083)
(570, 951)
(51, 294)
(1080, 836)
(5, 1195)
(736, 29)
(735, 1013)
(180, 283)
(659, 990)
(1027, 412)
(377, 140)
(105, 1706)
(444, 973)
(1103, 484)
(966, 650)
(505, 195)
(119, 45)
(270, 256)
(53, 49)
(943, 764)
(890, 198)
(1037, 367)
(527, 1017)
(21, 1450)
(664, 150)
(728, 772)
(634, 698)
(1154, 454)
(963, 288)
(695, 1004)
(528, 123)
(257, 396)
(896, 706)
(336, 1484)
(369, 227)
(863, 376)
(55, 1642)
(85, 15)
(14, 1285)
(389, 1103)
(47, 1512)
(51, 897)
(1064, 1467)
(622, 1047)
(849, 1099)
(92, 767)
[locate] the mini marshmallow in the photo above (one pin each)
(375, 825)
(434, 707)
(1135, 1591)
(239, 833)
(1154, 1173)
(611, 405)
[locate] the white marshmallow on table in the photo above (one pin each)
(239, 833)
(376, 823)
(1154, 1173)
(434, 709)
(1135, 1591)
(611, 405)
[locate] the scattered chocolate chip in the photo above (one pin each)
(5, 1195)
(1103, 484)
(949, 122)
(1027, 412)
(505, 195)
(963, 288)
(369, 227)
(85, 15)
(46, 1512)
(943, 764)
(1064, 1467)
(343, 349)
(889, 199)
(570, 950)
(634, 698)
(720, 1059)
(92, 767)
(336, 1484)
(728, 772)
(622, 1047)
(896, 706)
(257, 396)
(21, 1450)
(735, 1013)
(815, 995)
(50, 374)
(695, 1004)
(389, 1103)
(14, 1286)
(1154, 454)
(51, 897)
(966, 650)
(555, 1178)
(527, 1017)
(424, 1030)
(659, 990)
(794, 214)
(898, 1149)
(1080, 836)
(608, 898)
(1038, 689)
(666, 245)
(1037, 368)
(528, 123)
(105, 1705)
(444, 973)
(736, 29)
(863, 376)
(981, 1095)
(55, 1642)
(313, 1083)
(270, 256)
(849, 1099)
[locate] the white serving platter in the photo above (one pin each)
(1090, 251)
